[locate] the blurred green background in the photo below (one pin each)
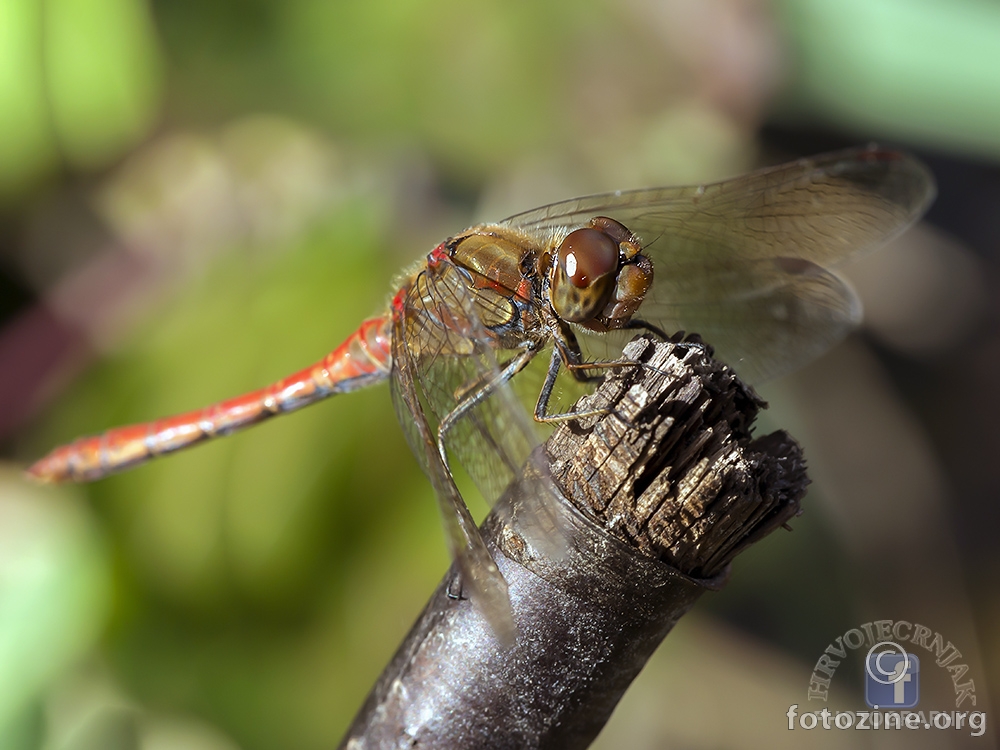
(200, 197)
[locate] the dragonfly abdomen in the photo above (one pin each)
(362, 360)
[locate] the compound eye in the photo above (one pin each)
(587, 255)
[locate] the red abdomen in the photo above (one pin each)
(363, 359)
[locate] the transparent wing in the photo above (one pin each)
(744, 262)
(443, 362)
(767, 319)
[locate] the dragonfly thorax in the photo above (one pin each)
(599, 276)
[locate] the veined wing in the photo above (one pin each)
(444, 361)
(745, 262)
(822, 209)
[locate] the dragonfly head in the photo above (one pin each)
(599, 275)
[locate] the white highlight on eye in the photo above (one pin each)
(571, 265)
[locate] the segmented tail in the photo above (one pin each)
(363, 359)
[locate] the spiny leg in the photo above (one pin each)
(569, 349)
(567, 352)
(565, 342)
(542, 404)
(644, 325)
(571, 354)
(539, 525)
(475, 395)
(478, 569)
(469, 396)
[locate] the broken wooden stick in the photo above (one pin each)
(658, 495)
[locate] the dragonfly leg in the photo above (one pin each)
(476, 393)
(478, 570)
(645, 325)
(584, 372)
(567, 352)
(470, 388)
(579, 370)
(542, 405)
(568, 347)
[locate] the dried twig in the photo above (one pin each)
(664, 490)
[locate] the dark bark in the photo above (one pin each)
(663, 492)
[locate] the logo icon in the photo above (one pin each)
(892, 677)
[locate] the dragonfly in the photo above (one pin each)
(748, 263)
